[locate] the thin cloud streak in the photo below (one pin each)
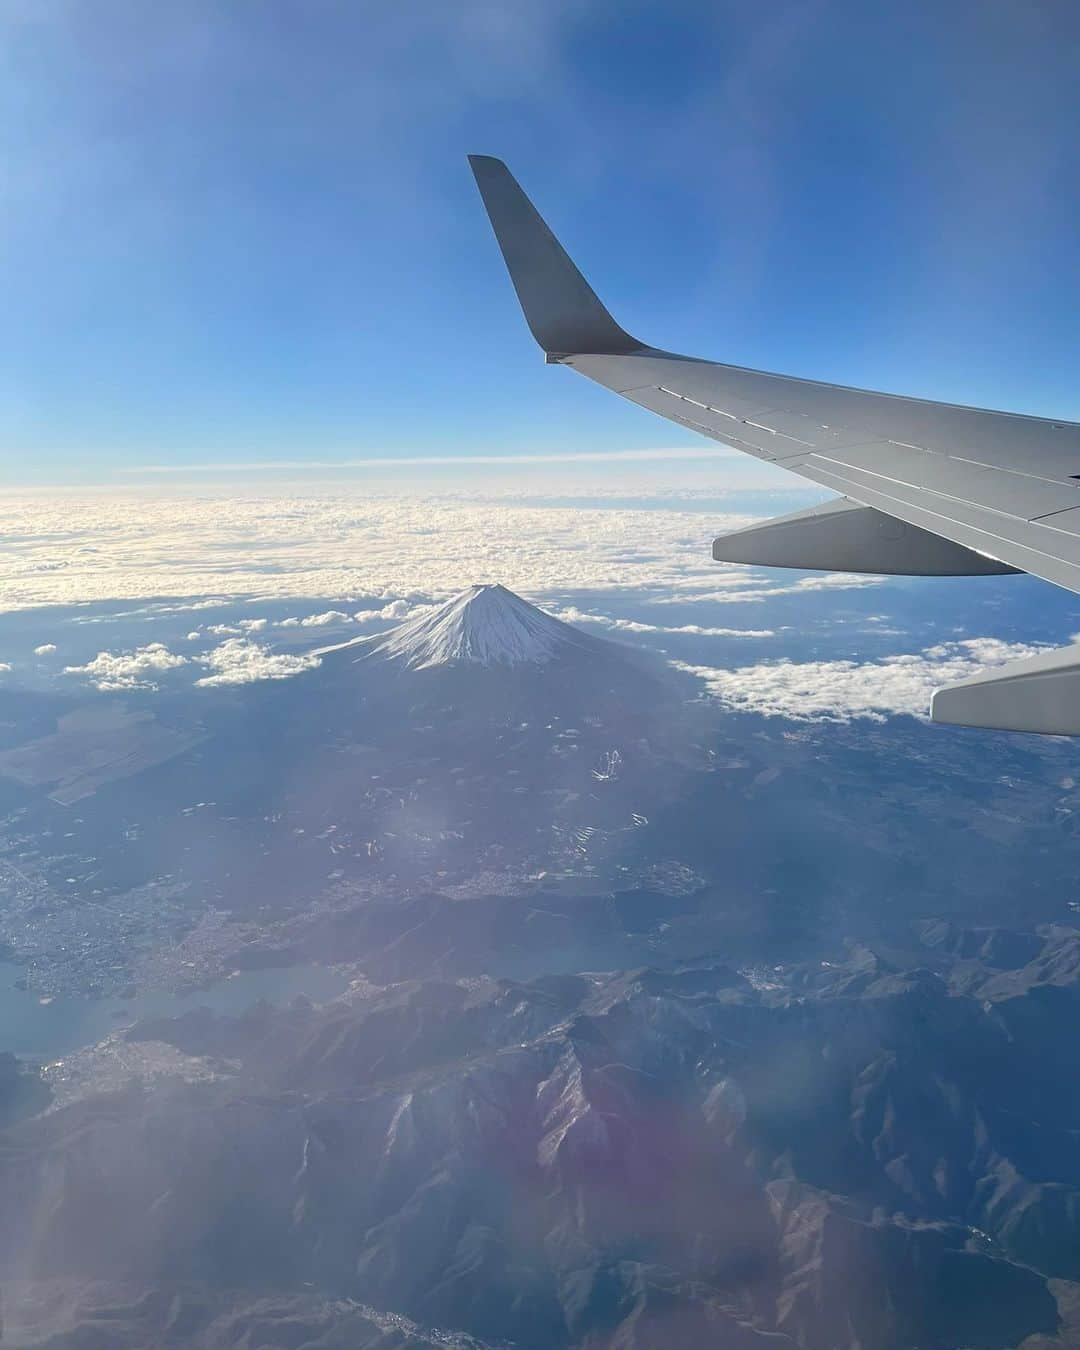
(429, 461)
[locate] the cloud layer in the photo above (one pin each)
(205, 550)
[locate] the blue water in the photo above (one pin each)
(36, 1030)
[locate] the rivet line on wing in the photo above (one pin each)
(745, 421)
(707, 407)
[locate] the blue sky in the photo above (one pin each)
(246, 233)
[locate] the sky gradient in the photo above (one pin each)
(247, 234)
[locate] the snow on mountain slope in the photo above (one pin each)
(486, 626)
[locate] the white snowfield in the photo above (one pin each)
(483, 626)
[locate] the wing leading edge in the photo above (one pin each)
(926, 488)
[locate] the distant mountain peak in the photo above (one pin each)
(484, 626)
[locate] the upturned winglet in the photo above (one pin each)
(560, 307)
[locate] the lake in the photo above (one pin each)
(36, 1030)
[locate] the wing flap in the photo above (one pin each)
(842, 536)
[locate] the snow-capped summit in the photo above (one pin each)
(485, 626)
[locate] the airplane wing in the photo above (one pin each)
(932, 489)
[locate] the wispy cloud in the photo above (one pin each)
(571, 614)
(747, 589)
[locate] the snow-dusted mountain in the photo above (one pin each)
(484, 659)
(485, 626)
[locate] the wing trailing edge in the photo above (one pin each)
(843, 536)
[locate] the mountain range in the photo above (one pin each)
(844, 1154)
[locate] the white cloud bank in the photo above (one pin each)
(131, 669)
(371, 549)
(840, 691)
(46, 649)
(241, 661)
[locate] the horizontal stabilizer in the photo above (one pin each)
(560, 306)
(842, 536)
(1041, 694)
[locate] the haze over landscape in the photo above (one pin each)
(439, 905)
(666, 873)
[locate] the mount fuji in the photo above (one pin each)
(487, 655)
(486, 626)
